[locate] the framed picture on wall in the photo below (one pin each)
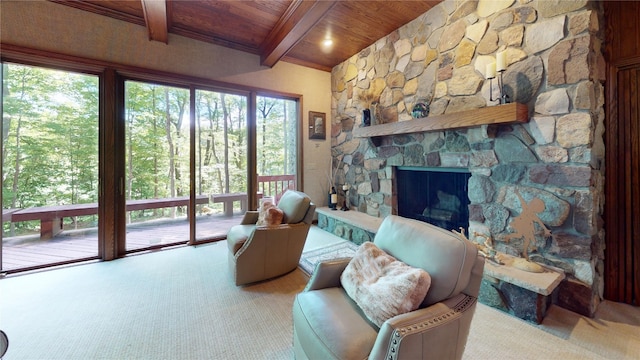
(317, 125)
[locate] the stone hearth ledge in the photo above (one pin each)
(524, 294)
(542, 283)
(351, 225)
(354, 218)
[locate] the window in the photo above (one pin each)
(152, 144)
(277, 141)
(49, 166)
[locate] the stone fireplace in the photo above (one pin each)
(555, 68)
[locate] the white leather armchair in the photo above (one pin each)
(327, 323)
(263, 252)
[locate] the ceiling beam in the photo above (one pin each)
(300, 17)
(155, 17)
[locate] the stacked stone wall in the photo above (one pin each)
(555, 66)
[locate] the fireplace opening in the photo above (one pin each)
(436, 196)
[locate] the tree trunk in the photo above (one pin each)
(172, 180)
(225, 117)
(17, 171)
(286, 138)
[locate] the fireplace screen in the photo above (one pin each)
(437, 197)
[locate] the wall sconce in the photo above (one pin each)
(500, 66)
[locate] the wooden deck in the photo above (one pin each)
(57, 245)
(24, 252)
(51, 216)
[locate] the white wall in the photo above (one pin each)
(44, 25)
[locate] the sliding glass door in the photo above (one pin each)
(221, 149)
(157, 165)
(181, 162)
(49, 167)
(277, 124)
(158, 186)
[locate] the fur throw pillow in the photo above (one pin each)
(382, 286)
(269, 215)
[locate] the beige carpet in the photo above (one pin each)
(613, 333)
(182, 304)
(497, 335)
(172, 304)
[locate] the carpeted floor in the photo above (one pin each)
(182, 304)
(173, 304)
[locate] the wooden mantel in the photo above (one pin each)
(500, 114)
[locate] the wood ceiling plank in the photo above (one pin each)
(130, 11)
(155, 17)
(354, 25)
(276, 30)
(299, 19)
(242, 25)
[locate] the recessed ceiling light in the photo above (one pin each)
(327, 42)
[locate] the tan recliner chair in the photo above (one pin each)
(327, 323)
(263, 252)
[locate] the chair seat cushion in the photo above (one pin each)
(382, 286)
(342, 333)
(238, 235)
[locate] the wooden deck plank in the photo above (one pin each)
(6, 214)
(20, 252)
(51, 216)
(52, 212)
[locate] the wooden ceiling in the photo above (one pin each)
(287, 30)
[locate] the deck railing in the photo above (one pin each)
(51, 223)
(276, 185)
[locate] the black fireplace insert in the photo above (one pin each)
(434, 195)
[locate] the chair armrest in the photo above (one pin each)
(280, 227)
(419, 334)
(266, 233)
(250, 218)
(327, 274)
(274, 227)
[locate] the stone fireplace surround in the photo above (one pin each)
(555, 67)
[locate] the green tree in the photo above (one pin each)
(50, 121)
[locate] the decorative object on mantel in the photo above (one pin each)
(345, 204)
(420, 110)
(333, 199)
(373, 110)
(520, 263)
(500, 65)
(366, 117)
(486, 247)
(369, 101)
(524, 225)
